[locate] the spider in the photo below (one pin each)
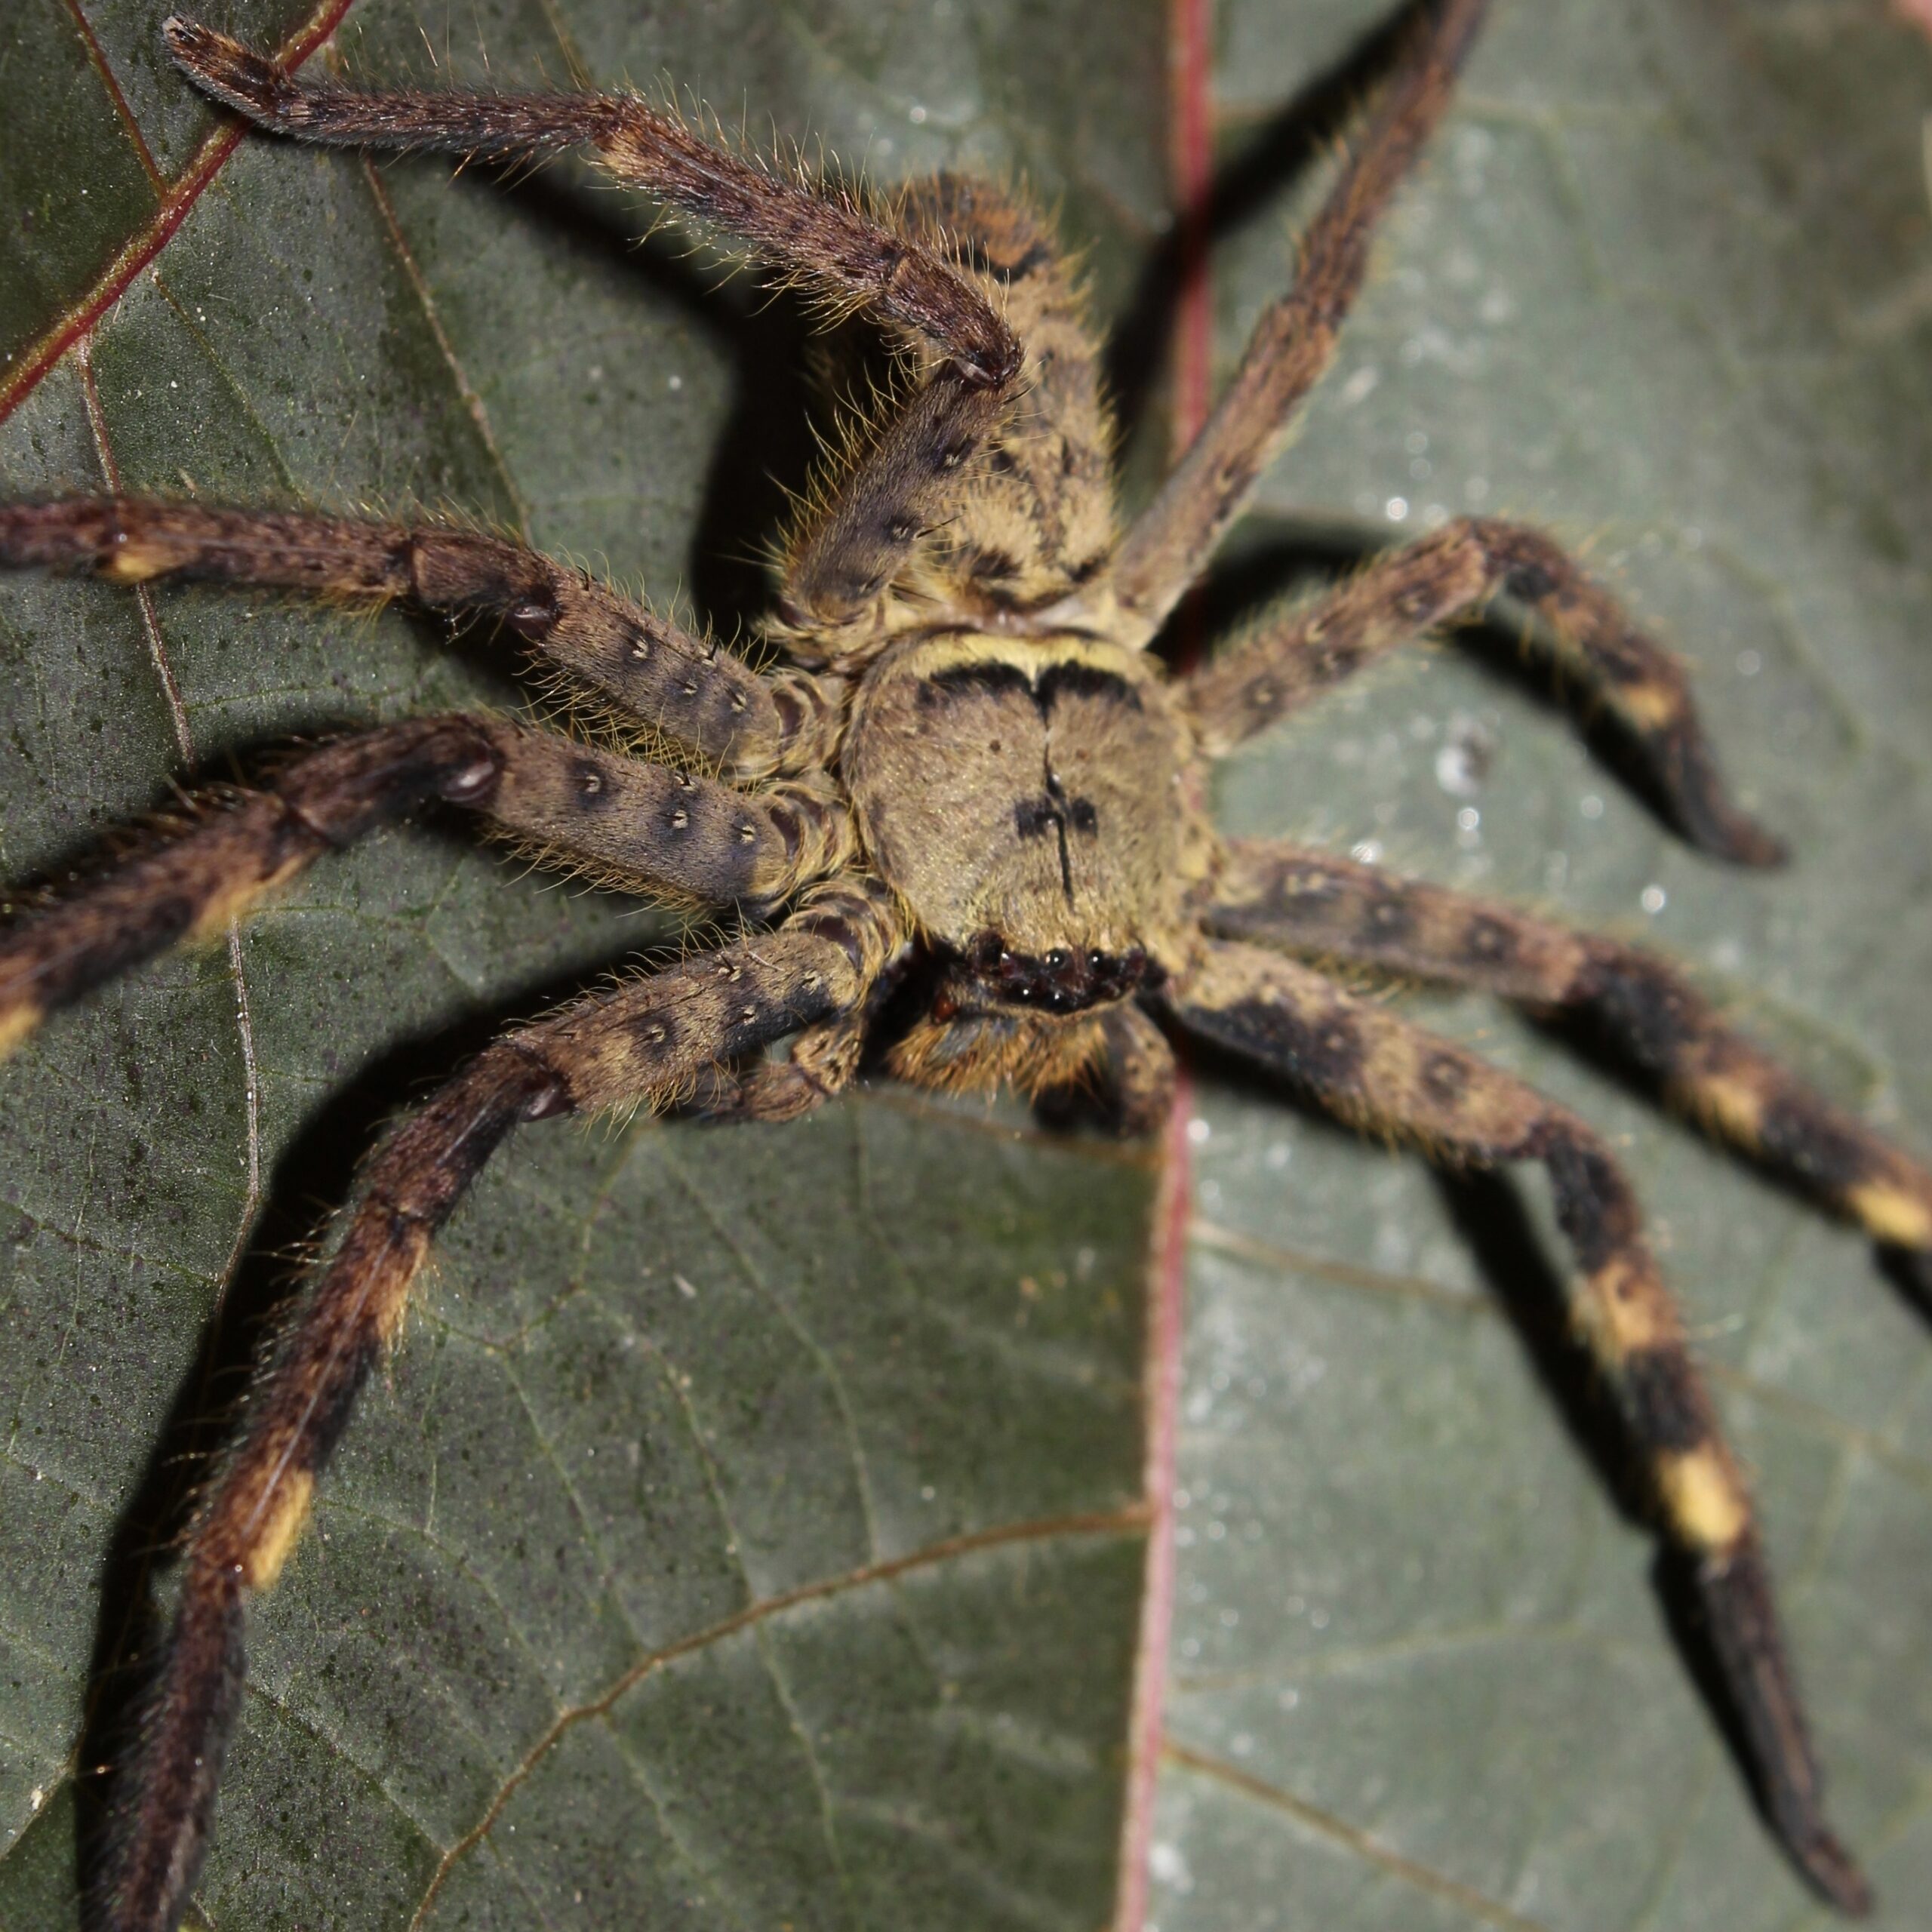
(955, 825)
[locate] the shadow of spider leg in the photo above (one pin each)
(646, 1043)
(1375, 1070)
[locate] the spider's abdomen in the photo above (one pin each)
(1023, 795)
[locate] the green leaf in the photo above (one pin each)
(1661, 288)
(748, 1532)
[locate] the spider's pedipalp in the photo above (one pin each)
(843, 558)
(823, 1062)
(1025, 521)
(689, 692)
(1170, 544)
(192, 885)
(1646, 1010)
(1141, 1072)
(1375, 1070)
(647, 1042)
(1455, 573)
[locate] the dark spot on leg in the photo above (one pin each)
(1488, 941)
(1668, 1410)
(1798, 1133)
(1594, 1204)
(1643, 1004)
(1389, 920)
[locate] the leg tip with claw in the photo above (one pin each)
(1833, 1873)
(230, 72)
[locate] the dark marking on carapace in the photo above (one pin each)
(1055, 681)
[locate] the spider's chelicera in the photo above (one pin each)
(955, 824)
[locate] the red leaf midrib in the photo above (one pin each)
(1190, 162)
(140, 249)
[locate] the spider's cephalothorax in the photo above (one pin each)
(954, 821)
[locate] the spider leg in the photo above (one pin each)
(1455, 573)
(655, 828)
(644, 1043)
(1036, 517)
(1335, 908)
(690, 692)
(823, 238)
(1375, 1070)
(647, 825)
(1170, 544)
(193, 885)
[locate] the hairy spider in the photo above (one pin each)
(956, 826)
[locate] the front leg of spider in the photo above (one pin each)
(843, 561)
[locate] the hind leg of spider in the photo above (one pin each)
(644, 1044)
(687, 689)
(1643, 1008)
(1455, 573)
(1170, 542)
(814, 233)
(646, 825)
(1376, 1071)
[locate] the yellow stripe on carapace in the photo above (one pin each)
(17, 1022)
(1891, 1214)
(1701, 1494)
(283, 1525)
